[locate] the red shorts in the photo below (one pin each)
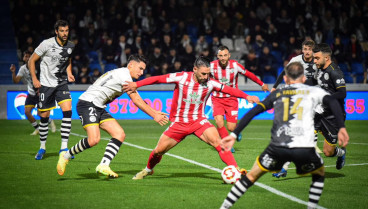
(179, 130)
(227, 106)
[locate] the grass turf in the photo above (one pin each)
(27, 183)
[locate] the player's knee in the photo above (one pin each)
(67, 114)
(120, 136)
(92, 141)
(158, 152)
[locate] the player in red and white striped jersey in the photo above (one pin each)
(226, 71)
(187, 111)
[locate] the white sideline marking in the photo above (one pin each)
(270, 189)
(357, 143)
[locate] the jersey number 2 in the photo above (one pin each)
(295, 109)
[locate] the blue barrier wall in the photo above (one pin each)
(124, 108)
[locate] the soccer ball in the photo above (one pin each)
(230, 174)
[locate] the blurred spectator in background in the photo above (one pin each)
(267, 64)
(95, 75)
(250, 62)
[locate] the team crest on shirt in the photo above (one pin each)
(69, 51)
(326, 76)
(92, 118)
(194, 98)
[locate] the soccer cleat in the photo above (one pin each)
(35, 132)
(61, 163)
(239, 138)
(106, 170)
(243, 171)
(142, 174)
(232, 149)
(65, 150)
(40, 154)
(282, 173)
(53, 126)
(340, 162)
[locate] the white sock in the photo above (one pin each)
(148, 170)
(43, 144)
(64, 145)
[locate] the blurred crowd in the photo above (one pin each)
(172, 33)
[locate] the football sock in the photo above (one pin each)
(226, 157)
(153, 160)
(223, 132)
(338, 152)
(44, 130)
(112, 149)
(239, 188)
(79, 147)
(315, 190)
(35, 125)
(66, 126)
(286, 165)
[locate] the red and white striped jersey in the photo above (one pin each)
(189, 97)
(229, 75)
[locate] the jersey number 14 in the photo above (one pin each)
(295, 109)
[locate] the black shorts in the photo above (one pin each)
(306, 160)
(48, 96)
(327, 126)
(31, 101)
(90, 114)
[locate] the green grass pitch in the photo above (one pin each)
(27, 183)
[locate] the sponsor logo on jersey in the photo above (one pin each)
(194, 99)
(326, 76)
(295, 131)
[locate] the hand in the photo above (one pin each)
(36, 83)
(343, 137)
(71, 78)
(273, 89)
(161, 118)
(130, 86)
(12, 68)
(253, 99)
(227, 142)
(265, 88)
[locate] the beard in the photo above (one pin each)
(223, 66)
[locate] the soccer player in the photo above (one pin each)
(226, 71)
(32, 97)
(310, 69)
(55, 72)
(306, 59)
(187, 111)
(292, 134)
(330, 78)
(91, 110)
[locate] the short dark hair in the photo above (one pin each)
(309, 43)
(324, 48)
(294, 70)
(27, 52)
(222, 47)
(202, 61)
(60, 23)
(137, 58)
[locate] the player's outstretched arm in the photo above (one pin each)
(32, 69)
(254, 78)
(240, 94)
(15, 78)
(343, 137)
(160, 117)
(130, 86)
(69, 72)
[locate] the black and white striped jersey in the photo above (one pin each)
(54, 61)
(294, 105)
(107, 87)
(27, 79)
